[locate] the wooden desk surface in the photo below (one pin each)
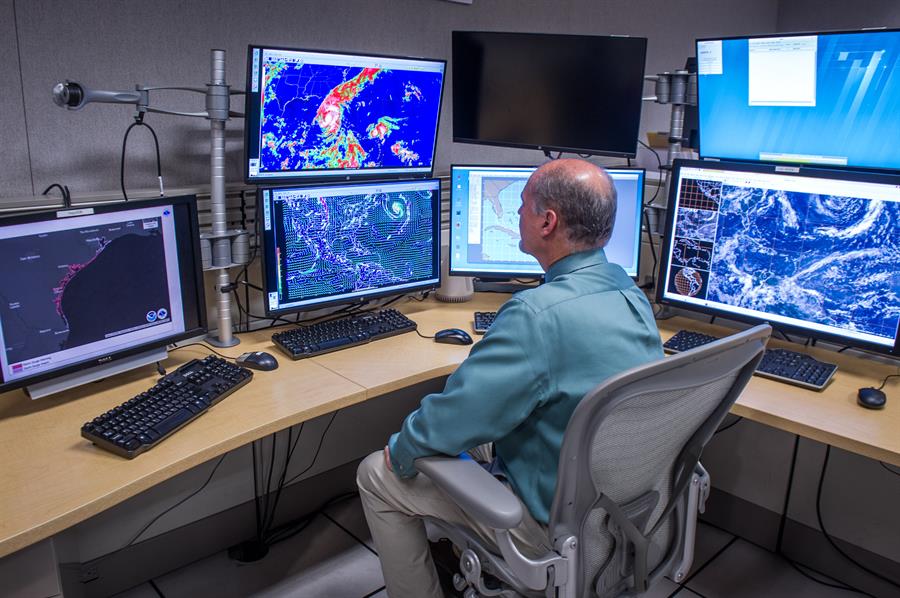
(51, 478)
(831, 416)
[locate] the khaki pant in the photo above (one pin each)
(394, 508)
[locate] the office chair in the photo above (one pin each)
(629, 486)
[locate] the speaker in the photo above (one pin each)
(454, 289)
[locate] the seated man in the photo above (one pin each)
(519, 386)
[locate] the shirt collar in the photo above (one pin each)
(576, 261)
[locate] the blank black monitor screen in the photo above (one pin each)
(342, 244)
(314, 114)
(87, 286)
(828, 99)
(811, 250)
(579, 93)
(484, 221)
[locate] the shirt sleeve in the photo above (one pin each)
(494, 390)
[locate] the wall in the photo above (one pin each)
(115, 44)
(825, 15)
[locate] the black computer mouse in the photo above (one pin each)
(454, 336)
(871, 398)
(257, 360)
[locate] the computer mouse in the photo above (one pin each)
(454, 336)
(871, 398)
(257, 360)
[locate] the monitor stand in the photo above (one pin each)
(495, 285)
(98, 372)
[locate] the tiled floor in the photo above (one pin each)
(326, 560)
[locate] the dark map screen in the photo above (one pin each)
(329, 244)
(785, 247)
(328, 112)
(66, 292)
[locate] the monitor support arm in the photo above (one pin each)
(75, 96)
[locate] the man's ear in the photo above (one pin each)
(550, 224)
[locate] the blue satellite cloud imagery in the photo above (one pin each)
(350, 243)
(822, 259)
(696, 224)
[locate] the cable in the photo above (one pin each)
(660, 169)
(886, 466)
(373, 592)
(886, 378)
(204, 345)
(349, 533)
(652, 282)
(180, 502)
(422, 335)
(66, 196)
(139, 121)
(156, 589)
(732, 424)
(318, 448)
(289, 530)
(837, 586)
(825, 532)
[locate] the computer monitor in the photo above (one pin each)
(573, 93)
(329, 115)
(827, 99)
(96, 286)
(484, 221)
(342, 244)
(809, 250)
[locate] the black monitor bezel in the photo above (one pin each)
(484, 275)
(376, 293)
(331, 175)
(190, 201)
(556, 148)
(766, 168)
(838, 167)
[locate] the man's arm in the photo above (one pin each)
(494, 390)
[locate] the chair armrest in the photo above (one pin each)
(475, 490)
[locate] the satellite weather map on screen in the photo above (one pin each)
(312, 114)
(325, 244)
(817, 253)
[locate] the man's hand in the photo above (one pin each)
(387, 458)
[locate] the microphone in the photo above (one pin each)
(74, 96)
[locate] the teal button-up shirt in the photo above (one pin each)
(519, 386)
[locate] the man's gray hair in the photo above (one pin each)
(588, 211)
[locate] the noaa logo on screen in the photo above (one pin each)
(160, 314)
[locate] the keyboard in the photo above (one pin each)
(145, 420)
(784, 365)
(358, 329)
(483, 321)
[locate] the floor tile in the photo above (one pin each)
(710, 540)
(322, 560)
(349, 514)
(142, 591)
(748, 571)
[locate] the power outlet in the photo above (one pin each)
(88, 573)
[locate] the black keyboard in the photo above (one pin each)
(142, 422)
(779, 364)
(483, 321)
(358, 329)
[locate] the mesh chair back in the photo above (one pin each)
(629, 452)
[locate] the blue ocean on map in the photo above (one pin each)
(819, 258)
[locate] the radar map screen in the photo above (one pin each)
(484, 221)
(333, 244)
(72, 288)
(317, 114)
(822, 254)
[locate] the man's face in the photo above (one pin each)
(529, 223)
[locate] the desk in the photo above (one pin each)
(53, 479)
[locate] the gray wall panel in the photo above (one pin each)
(115, 44)
(16, 178)
(824, 15)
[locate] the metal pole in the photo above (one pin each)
(217, 104)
